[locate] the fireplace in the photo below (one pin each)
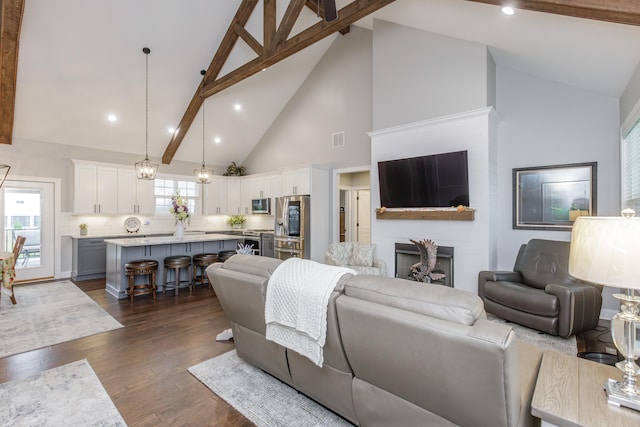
(407, 254)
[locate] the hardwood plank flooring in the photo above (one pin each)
(143, 366)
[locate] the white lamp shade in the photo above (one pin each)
(606, 251)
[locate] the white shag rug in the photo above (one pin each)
(48, 314)
(69, 395)
(540, 339)
(263, 399)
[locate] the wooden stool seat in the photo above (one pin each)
(143, 267)
(175, 263)
(225, 255)
(201, 262)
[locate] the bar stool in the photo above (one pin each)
(202, 261)
(175, 263)
(225, 255)
(143, 267)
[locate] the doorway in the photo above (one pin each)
(28, 209)
(352, 222)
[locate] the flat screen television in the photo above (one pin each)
(435, 181)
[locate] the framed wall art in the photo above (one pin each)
(552, 197)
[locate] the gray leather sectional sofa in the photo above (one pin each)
(397, 353)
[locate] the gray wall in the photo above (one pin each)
(630, 96)
(419, 75)
(548, 123)
(41, 159)
(335, 97)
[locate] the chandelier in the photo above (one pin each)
(203, 174)
(145, 169)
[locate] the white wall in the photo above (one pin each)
(419, 75)
(548, 123)
(630, 96)
(335, 97)
(474, 247)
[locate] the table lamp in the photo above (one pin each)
(606, 251)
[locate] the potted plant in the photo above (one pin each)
(83, 229)
(236, 221)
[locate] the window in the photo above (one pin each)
(631, 169)
(165, 189)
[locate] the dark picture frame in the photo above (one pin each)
(552, 197)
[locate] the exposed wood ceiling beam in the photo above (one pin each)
(11, 12)
(618, 11)
(277, 46)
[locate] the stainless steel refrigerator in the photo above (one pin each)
(292, 236)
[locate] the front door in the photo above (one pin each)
(28, 210)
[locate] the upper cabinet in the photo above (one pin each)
(95, 189)
(234, 197)
(215, 197)
(135, 196)
(296, 181)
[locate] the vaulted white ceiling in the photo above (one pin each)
(80, 61)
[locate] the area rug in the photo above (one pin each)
(69, 395)
(48, 314)
(261, 398)
(540, 339)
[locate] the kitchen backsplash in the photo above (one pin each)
(100, 225)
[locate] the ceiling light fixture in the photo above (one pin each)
(217, 140)
(508, 10)
(172, 130)
(237, 107)
(145, 169)
(203, 174)
(112, 118)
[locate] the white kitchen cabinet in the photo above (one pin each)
(135, 196)
(95, 189)
(276, 185)
(296, 181)
(261, 187)
(216, 196)
(234, 197)
(246, 194)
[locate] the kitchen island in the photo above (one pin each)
(122, 251)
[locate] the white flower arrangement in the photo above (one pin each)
(179, 208)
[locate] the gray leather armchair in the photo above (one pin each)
(539, 293)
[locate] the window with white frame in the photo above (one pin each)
(165, 189)
(631, 168)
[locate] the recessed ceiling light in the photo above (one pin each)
(217, 140)
(508, 10)
(172, 130)
(112, 118)
(237, 107)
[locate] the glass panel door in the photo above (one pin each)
(28, 209)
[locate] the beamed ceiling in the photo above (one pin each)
(81, 60)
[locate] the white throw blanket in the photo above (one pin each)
(296, 305)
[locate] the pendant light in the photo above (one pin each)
(203, 174)
(145, 169)
(4, 171)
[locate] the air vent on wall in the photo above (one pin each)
(337, 140)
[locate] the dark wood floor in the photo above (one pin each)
(143, 366)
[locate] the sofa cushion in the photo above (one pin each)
(361, 255)
(523, 298)
(437, 301)
(251, 264)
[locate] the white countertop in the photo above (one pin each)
(167, 240)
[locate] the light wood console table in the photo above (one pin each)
(569, 392)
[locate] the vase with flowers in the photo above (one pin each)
(180, 212)
(83, 229)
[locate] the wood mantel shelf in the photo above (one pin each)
(427, 214)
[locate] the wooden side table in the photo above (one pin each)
(570, 392)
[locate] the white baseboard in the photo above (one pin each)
(64, 275)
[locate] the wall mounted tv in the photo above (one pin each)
(435, 181)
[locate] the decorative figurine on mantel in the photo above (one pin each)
(423, 271)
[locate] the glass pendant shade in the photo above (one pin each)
(203, 174)
(145, 169)
(4, 171)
